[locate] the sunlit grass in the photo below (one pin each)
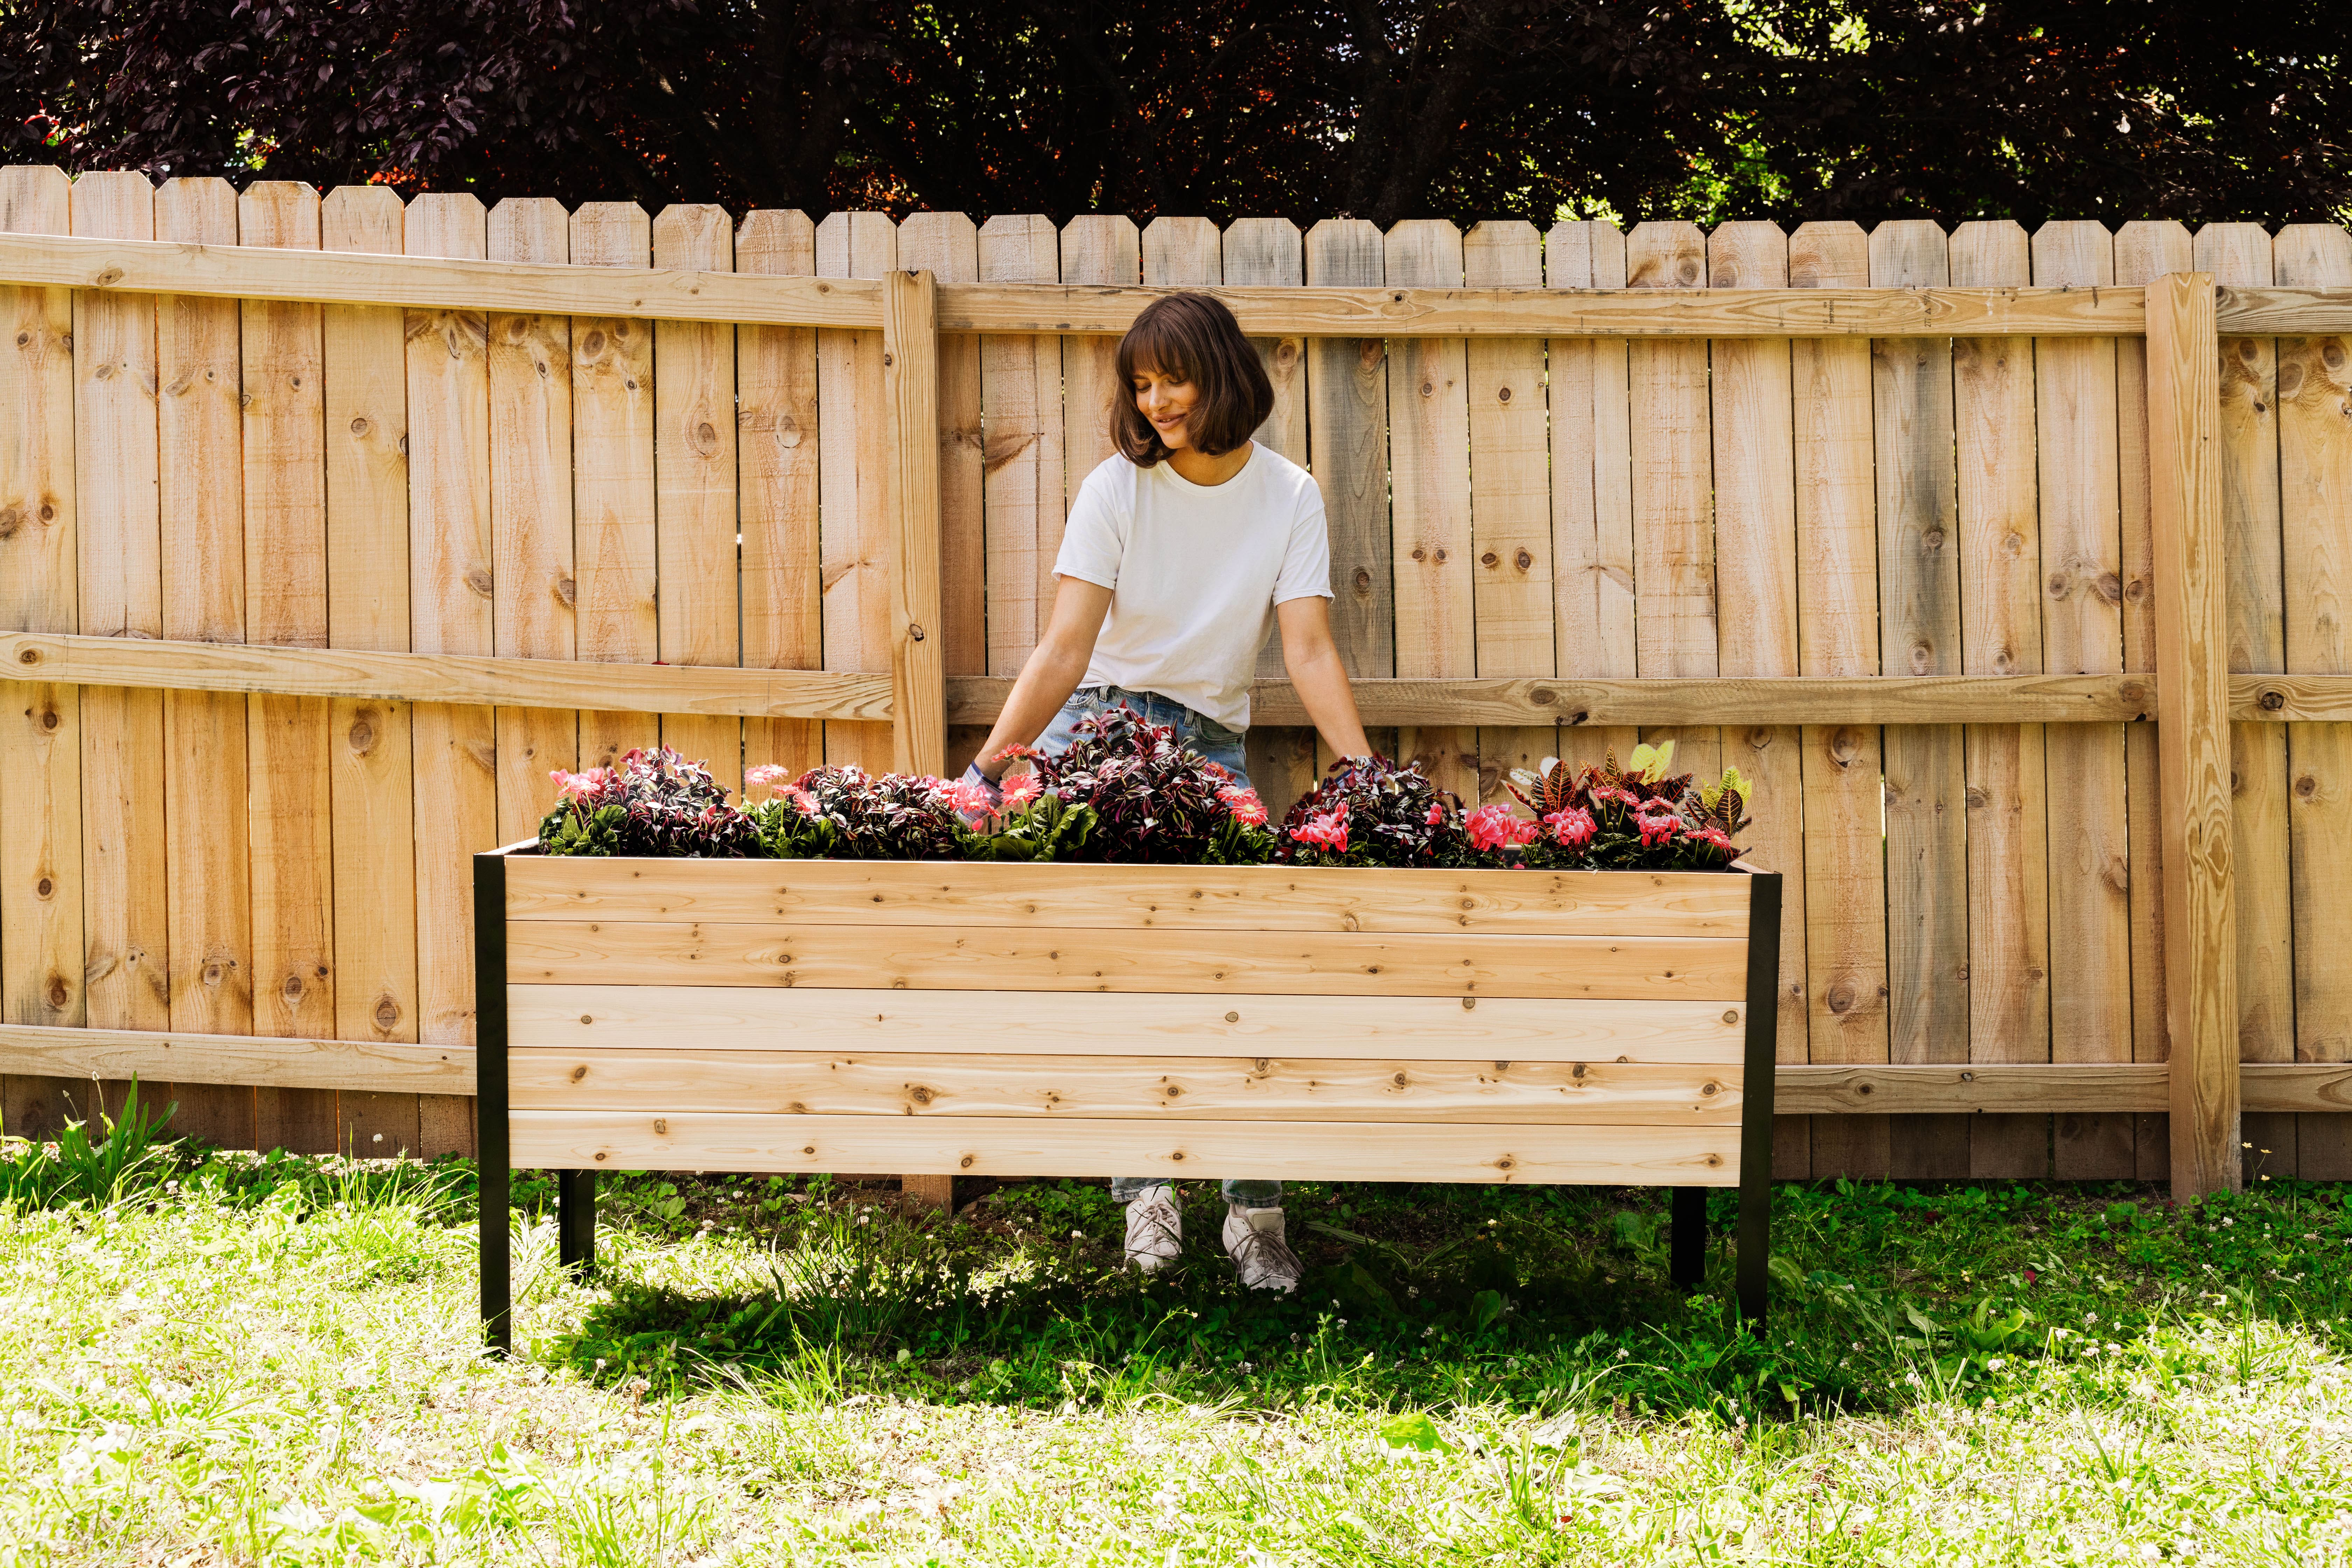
(279, 1363)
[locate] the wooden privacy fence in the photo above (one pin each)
(325, 525)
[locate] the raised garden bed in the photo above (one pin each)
(1010, 1019)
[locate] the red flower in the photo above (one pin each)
(1495, 827)
(1573, 827)
(1655, 830)
(1247, 809)
(1327, 831)
(1020, 789)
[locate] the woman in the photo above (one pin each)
(1180, 550)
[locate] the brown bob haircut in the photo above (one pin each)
(1193, 338)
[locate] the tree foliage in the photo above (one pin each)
(1383, 108)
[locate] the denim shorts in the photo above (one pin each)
(1201, 734)
(1219, 745)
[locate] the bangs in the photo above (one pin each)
(1190, 338)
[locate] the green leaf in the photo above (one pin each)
(1415, 1430)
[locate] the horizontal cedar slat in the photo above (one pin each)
(937, 958)
(1734, 699)
(388, 1066)
(1204, 897)
(1142, 1025)
(1037, 1146)
(468, 680)
(1166, 1088)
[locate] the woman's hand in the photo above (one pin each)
(1055, 668)
(1317, 676)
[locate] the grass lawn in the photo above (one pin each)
(242, 1361)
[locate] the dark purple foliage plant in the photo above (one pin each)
(654, 802)
(1368, 811)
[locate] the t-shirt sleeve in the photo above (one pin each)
(1095, 538)
(1307, 560)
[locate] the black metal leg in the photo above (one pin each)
(1756, 1083)
(1687, 1237)
(490, 1146)
(575, 1221)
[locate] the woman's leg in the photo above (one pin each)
(1254, 1194)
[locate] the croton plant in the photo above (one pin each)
(1129, 792)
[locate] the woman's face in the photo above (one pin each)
(1167, 401)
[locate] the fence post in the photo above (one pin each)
(910, 385)
(918, 698)
(2192, 731)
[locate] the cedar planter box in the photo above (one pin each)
(1611, 1027)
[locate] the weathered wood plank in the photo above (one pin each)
(1021, 488)
(121, 577)
(1193, 898)
(1164, 1089)
(1510, 502)
(2314, 381)
(41, 858)
(910, 396)
(202, 505)
(2081, 633)
(854, 516)
(1593, 495)
(454, 757)
(449, 678)
(369, 745)
(947, 246)
(529, 360)
(1028, 1146)
(1837, 631)
(966, 958)
(2144, 252)
(1146, 1025)
(2000, 588)
(1920, 636)
(696, 526)
(778, 448)
(241, 1063)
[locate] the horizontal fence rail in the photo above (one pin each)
(331, 527)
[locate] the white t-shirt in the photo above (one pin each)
(1195, 571)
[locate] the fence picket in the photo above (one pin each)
(2081, 633)
(1022, 462)
(613, 506)
(853, 480)
(2314, 382)
(529, 361)
(1510, 500)
(1835, 548)
(2237, 255)
(947, 246)
(124, 889)
(41, 967)
(291, 809)
(1591, 496)
(370, 755)
(2001, 555)
(779, 419)
(1920, 634)
(454, 755)
(202, 505)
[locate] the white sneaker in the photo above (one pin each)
(1155, 1231)
(1261, 1255)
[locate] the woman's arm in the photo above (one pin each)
(1055, 667)
(1318, 676)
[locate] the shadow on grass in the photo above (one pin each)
(1420, 1295)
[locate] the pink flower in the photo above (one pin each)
(1437, 814)
(1020, 789)
(801, 798)
(1247, 809)
(969, 798)
(1495, 828)
(1216, 770)
(1715, 838)
(767, 775)
(578, 786)
(1329, 831)
(1655, 830)
(1573, 827)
